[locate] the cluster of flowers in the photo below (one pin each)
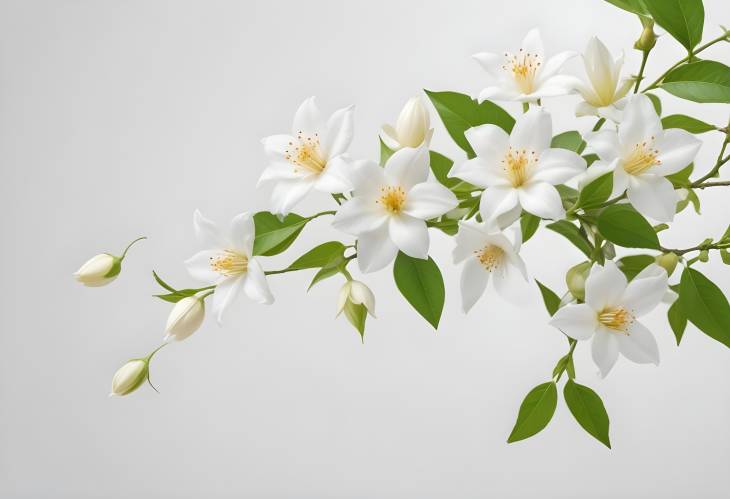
(513, 174)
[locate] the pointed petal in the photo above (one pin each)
(604, 350)
(390, 137)
(496, 201)
(243, 233)
(359, 215)
(640, 123)
(677, 149)
(553, 65)
(199, 268)
(646, 290)
(287, 193)
(480, 172)
(254, 284)
(278, 170)
(557, 166)
(336, 176)
(652, 196)
(578, 321)
(604, 143)
(407, 167)
(473, 283)
(375, 250)
(207, 232)
(639, 345)
(410, 235)
(429, 200)
(533, 130)
(541, 199)
(308, 119)
(489, 142)
(491, 63)
(605, 286)
(532, 43)
(225, 292)
(340, 130)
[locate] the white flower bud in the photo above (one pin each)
(185, 318)
(99, 270)
(412, 129)
(129, 377)
(356, 293)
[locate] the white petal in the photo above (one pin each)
(639, 345)
(473, 282)
(275, 146)
(533, 130)
(605, 286)
(287, 193)
(367, 178)
(491, 63)
(555, 86)
(553, 65)
(532, 43)
(207, 232)
(489, 142)
(225, 292)
(243, 233)
(390, 137)
(429, 200)
(585, 109)
(361, 294)
(498, 93)
(652, 196)
(469, 239)
(646, 290)
(510, 284)
(604, 350)
(410, 235)
(407, 167)
(496, 201)
(359, 215)
(278, 170)
(677, 149)
(480, 172)
(597, 169)
(255, 285)
(579, 321)
(199, 266)
(556, 166)
(336, 176)
(375, 250)
(308, 119)
(620, 179)
(340, 130)
(541, 199)
(600, 69)
(640, 122)
(604, 143)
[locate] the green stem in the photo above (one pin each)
(599, 124)
(152, 354)
(644, 58)
(711, 184)
(130, 245)
(699, 247)
(720, 161)
(570, 356)
(525, 107)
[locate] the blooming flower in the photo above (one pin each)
(603, 94)
(527, 75)
(357, 293)
(412, 129)
(610, 315)
(229, 264)
(311, 157)
(640, 155)
(185, 318)
(390, 205)
(518, 170)
(486, 251)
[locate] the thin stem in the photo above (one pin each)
(699, 247)
(720, 161)
(322, 213)
(722, 183)
(573, 343)
(282, 271)
(644, 58)
(152, 354)
(130, 245)
(599, 124)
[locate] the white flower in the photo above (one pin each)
(129, 377)
(99, 270)
(390, 205)
(412, 129)
(185, 318)
(603, 94)
(640, 155)
(311, 157)
(229, 264)
(527, 75)
(486, 251)
(518, 170)
(356, 293)
(610, 315)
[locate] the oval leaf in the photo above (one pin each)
(683, 19)
(596, 192)
(529, 224)
(623, 225)
(571, 141)
(421, 283)
(587, 408)
(572, 234)
(702, 81)
(677, 321)
(692, 125)
(536, 411)
(551, 300)
(704, 305)
(273, 235)
(633, 264)
(318, 256)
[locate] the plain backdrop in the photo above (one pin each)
(119, 118)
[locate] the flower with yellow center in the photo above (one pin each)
(486, 251)
(640, 155)
(390, 206)
(519, 170)
(610, 314)
(229, 263)
(313, 156)
(526, 75)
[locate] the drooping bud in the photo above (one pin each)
(129, 377)
(356, 293)
(575, 279)
(99, 270)
(668, 261)
(185, 318)
(647, 40)
(412, 129)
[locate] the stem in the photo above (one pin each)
(644, 58)
(130, 245)
(149, 357)
(573, 343)
(656, 83)
(525, 107)
(711, 184)
(699, 247)
(598, 124)
(720, 161)
(321, 213)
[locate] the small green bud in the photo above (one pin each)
(575, 279)
(129, 377)
(647, 40)
(668, 261)
(704, 256)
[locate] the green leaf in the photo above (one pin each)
(677, 320)
(441, 166)
(178, 295)
(460, 112)
(572, 234)
(565, 364)
(421, 283)
(634, 6)
(162, 283)
(623, 225)
(702, 81)
(529, 224)
(587, 408)
(385, 153)
(656, 103)
(692, 125)
(725, 256)
(681, 178)
(683, 19)
(535, 412)
(356, 314)
(596, 192)
(318, 256)
(568, 195)
(571, 141)
(552, 301)
(632, 265)
(273, 235)
(322, 274)
(704, 305)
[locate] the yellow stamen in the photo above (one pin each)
(518, 165)
(229, 263)
(490, 256)
(392, 198)
(523, 68)
(641, 158)
(617, 319)
(306, 154)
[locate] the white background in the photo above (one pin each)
(118, 119)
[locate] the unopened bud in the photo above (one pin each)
(129, 377)
(575, 279)
(647, 40)
(99, 270)
(412, 129)
(668, 261)
(185, 318)
(356, 293)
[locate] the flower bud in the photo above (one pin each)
(575, 279)
(129, 377)
(647, 40)
(99, 270)
(412, 129)
(356, 293)
(185, 318)
(668, 261)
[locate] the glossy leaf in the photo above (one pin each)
(551, 300)
(421, 283)
(683, 19)
(704, 304)
(318, 256)
(702, 81)
(692, 125)
(536, 411)
(633, 264)
(623, 225)
(274, 236)
(529, 224)
(656, 102)
(596, 192)
(572, 234)
(571, 141)
(385, 153)
(677, 320)
(588, 409)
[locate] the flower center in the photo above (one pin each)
(642, 157)
(229, 263)
(617, 319)
(306, 155)
(523, 67)
(490, 256)
(392, 199)
(518, 165)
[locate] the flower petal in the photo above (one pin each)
(604, 350)
(541, 199)
(480, 172)
(473, 283)
(375, 250)
(276, 146)
(533, 130)
(498, 93)
(410, 235)
(287, 193)
(340, 130)
(509, 283)
(604, 143)
(199, 268)
(359, 215)
(207, 232)
(407, 167)
(429, 200)
(367, 179)
(579, 321)
(489, 142)
(496, 201)
(307, 119)
(390, 137)
(225, 292)
(491, 63)
(605, 286)
(336, 176)
(243, 233)
(652, 196)
(639, 345)
(532, 43)
(646, 290)
(640, 123)
(470, 238)
(255, 285)
(553, 65)
(556, 166)
(677, 149)
(279, 170)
